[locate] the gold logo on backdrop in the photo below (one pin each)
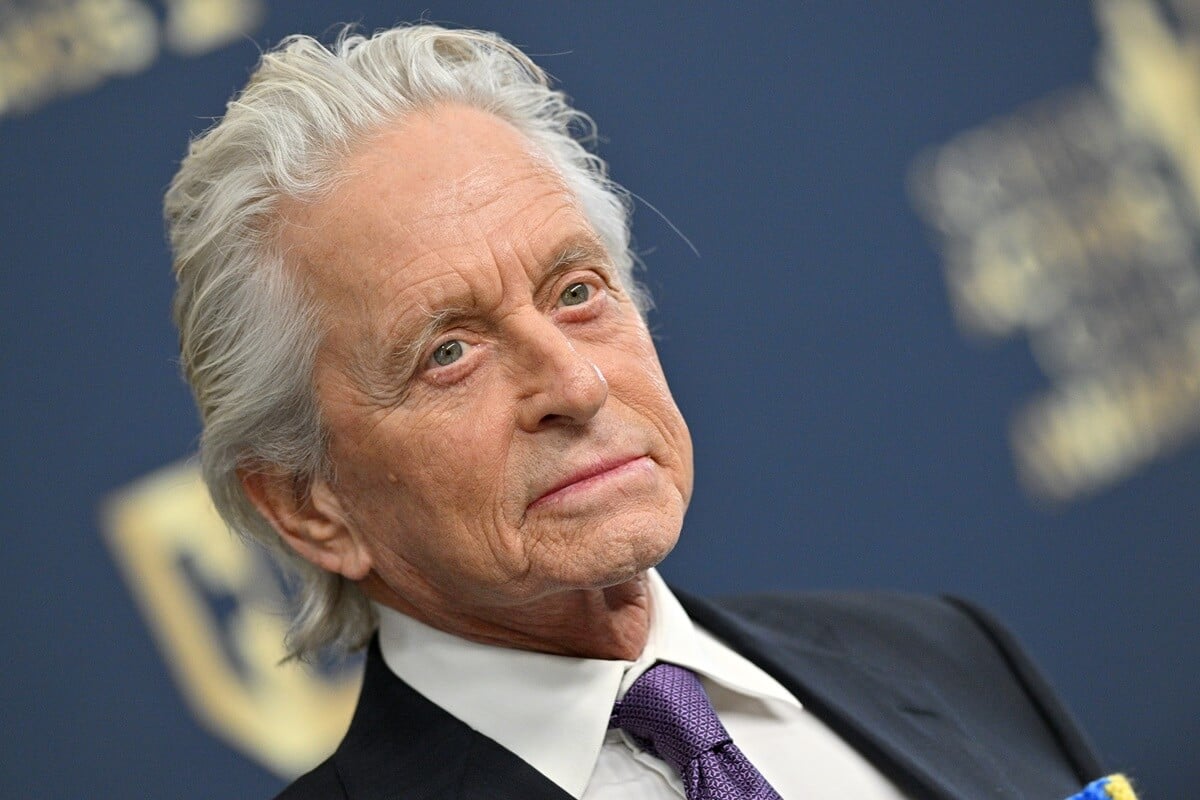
(1077, 221)
(215, 607)
(50, 48)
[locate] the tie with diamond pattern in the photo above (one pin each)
(668, 714)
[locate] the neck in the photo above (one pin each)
(608, 623)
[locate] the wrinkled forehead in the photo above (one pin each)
(422, 185)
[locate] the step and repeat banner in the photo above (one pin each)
(928, 293)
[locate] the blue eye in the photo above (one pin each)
(576, 294)
(449, 352)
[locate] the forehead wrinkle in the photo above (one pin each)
(576, 243)
(491, 180)
(446, 292)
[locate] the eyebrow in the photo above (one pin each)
(576, 250)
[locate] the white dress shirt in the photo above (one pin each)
(553, 711)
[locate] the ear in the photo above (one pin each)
(310, 520)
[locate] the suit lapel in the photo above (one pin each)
(401, 746)
(894, 720)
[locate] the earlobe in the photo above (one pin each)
(310, 520)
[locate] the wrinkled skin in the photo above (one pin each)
(479, 352)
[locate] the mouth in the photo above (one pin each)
(589, 477)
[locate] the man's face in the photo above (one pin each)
(499, 423)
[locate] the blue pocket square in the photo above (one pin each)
(1114, 787)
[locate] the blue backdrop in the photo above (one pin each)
(847, 433)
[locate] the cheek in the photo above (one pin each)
(439, 465)
(636, 381)
(640, 381)
(431, 506)
(440, 470)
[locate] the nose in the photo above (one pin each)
(561, 386)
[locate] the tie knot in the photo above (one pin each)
(667, 711)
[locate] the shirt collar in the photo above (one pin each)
(675, 638)
(552, 710)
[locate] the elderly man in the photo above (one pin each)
(407, 312)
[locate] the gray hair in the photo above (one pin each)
(248, 329)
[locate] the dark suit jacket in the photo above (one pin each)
(932, 691)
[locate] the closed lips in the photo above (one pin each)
(587, 474)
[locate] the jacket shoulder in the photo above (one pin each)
(879, 616)
(927, 636)
(320, 783)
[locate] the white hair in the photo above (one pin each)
(248, 329)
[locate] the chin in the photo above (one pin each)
(625, 549)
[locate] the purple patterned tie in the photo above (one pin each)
(668, 713)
